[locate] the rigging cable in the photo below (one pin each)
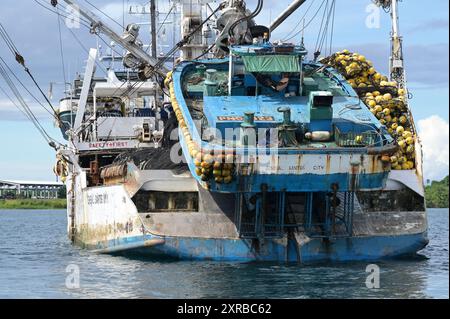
(60, 15)
(26, 89)
(85, 49)
(300, 20)
(166, 17)
(106, 15)
(7, 40)
(12, 101)
(319, 35)
(82, 21)
(175, 49)
(26, 109)
(75, 36)
(205, 52)
(20, 59)
(332, 28)
(307, 24)
(185, 39)
(61, 49)
(327, 26)
(109, 46)
(248, 18)
(323, 36)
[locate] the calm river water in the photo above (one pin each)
(35, 254)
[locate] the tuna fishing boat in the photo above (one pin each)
(247, 152)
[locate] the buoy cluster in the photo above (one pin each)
(217, 167)
(211, 165)
(391, 112)
(358, 71)
(384, 100)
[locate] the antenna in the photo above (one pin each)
(303, 33)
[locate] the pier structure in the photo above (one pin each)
(29, 189)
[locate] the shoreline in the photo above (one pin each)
(33, 204)
(57, 204)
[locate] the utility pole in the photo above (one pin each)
(153, 26)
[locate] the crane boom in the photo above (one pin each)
(140, 54)
(286, 14)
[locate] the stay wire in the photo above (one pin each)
(332, 28)
(26, 108)
(105, 14)
(325, 33)
(83, 21)
(26, 89)
(307, 24)
(86, 49)
(7, 39)
(301, 19)
(12, 101)
(248, 18)
(61, 49)
(166, 17)
(20, 59)
(319, 35)
(176, 48)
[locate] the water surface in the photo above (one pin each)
(35, 254)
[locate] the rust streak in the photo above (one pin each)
(328, 165)
(299, 163)
(373, 163)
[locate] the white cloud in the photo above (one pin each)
(9, 111)
(434, 133)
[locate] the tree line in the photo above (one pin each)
(436, 194)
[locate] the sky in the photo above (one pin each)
(24, 154)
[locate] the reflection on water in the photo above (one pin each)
(34, 254)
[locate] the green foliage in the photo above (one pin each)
(62, 192)
(437, 194)
(33, 204)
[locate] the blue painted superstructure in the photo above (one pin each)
(225, 111)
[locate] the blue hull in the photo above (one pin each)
(242, 250)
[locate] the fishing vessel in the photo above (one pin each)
(242, 149)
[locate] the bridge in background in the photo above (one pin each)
(29, 189)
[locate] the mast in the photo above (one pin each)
(396, 67)
(397, 70)
(153, 26)
(191, 19)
